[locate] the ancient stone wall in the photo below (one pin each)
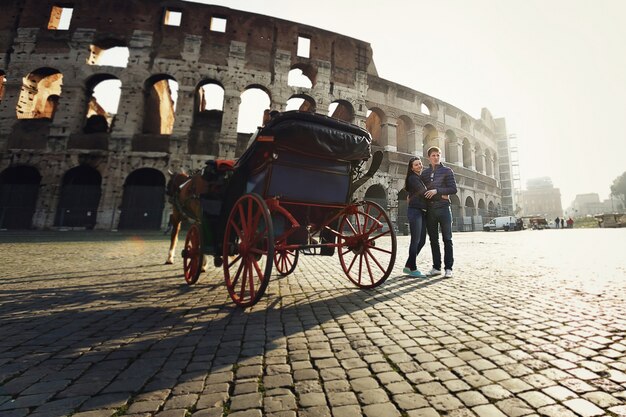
(50, 119)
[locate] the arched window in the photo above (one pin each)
(488, 163)
(478, 154)
(403, 133)
(19, 188)
(253, 103)
(207, 118)
(451, 150)
(301, 102)
(374, 125)
(143, 200)
(79, 199)
(40, 94)
(109, 52)
(160, 105)
(342, 110)
(469, 206)
(430, 136)
(467, 153)
(298, 78)
(377, 194)
(104, 96)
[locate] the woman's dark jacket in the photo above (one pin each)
(416, 192)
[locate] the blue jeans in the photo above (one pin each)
(436, 218)
(417, 226)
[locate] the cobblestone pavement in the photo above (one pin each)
(533, 323)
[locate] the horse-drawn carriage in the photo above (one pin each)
(291, 192)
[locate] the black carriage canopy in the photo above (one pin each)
(317, 136)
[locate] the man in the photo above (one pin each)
(440, 183)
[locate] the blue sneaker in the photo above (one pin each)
(406, 270)
(417, 274)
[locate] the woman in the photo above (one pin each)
(416, 215)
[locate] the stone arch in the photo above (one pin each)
(160, 93)
(491, 209)
(465, 123)
(103, 96)
(457, 213)
(404, 130)
(302, 75)
(377, 194)
(428, 107)
(430, 137)
(451, 152)
(374, 124)
(208, 112)
(19, 189)
(470, 208)
(254, 100)
(342, 110)
(467, 153)
(143, 200)
(482, 208)
(301, 102)
(478, 158)
(39, 95)
(488, 163)
(209, 95)
(79, 198)
(109, 52)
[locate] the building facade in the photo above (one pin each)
(180, 74)
(541, 199)
(589, 204)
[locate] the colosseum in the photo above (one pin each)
(99, 99)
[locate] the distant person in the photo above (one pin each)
(440, 183)
(562, 222)
(570, 223)
(416, 214)
(557, 222)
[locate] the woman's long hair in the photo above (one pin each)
(409, 171)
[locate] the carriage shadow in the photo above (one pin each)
(174, 344)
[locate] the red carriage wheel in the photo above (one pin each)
(367, 244)
(286, 260)
(193, 255)
(248, 250)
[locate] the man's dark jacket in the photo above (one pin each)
(442, 179)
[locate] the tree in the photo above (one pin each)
(618, 189)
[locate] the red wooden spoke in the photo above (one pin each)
(366, 235)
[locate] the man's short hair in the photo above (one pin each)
(433, 149)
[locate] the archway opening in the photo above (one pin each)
(19, 189)
(143, 200)
(207, 118)
(104, 96)
(254, 101)
(40, 94)
(160, 105)
(79, 199)
(342, 110)
(374, 125)
(301, 102)
(377, 194)
(109, 52)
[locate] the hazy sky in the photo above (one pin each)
(555, 69)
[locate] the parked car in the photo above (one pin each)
(505, 223)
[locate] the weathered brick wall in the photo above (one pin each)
(254, 50)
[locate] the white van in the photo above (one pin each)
(501, 223)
